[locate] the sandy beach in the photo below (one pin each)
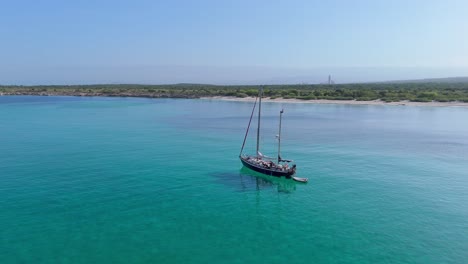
(349, 102)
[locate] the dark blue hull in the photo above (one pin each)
(271, 172)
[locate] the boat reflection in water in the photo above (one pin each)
(252, 180)
(246, 180)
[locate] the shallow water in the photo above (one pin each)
(131, 180)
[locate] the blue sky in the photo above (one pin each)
(67, 42)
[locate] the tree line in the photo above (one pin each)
(388, 92)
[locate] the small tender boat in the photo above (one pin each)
(299, 179)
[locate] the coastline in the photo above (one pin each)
(343, 102)
(246, 99)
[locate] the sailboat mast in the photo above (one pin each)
(259, 111)
(279, 137)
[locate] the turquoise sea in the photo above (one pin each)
(132, 180)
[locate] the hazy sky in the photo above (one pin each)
(66, 42)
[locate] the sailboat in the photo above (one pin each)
(270, 166)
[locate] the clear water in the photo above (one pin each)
(126, 180)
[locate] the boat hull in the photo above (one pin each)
(266, 171)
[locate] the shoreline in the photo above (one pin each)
(342, 102)
(252, 99)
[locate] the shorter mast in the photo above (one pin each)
(279, 137)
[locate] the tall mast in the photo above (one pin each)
(279, 137)
(260, 94)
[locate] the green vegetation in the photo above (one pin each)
(388, 92)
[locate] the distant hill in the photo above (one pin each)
(434, 80)
(193, 84)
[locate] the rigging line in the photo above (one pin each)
(248, 127)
